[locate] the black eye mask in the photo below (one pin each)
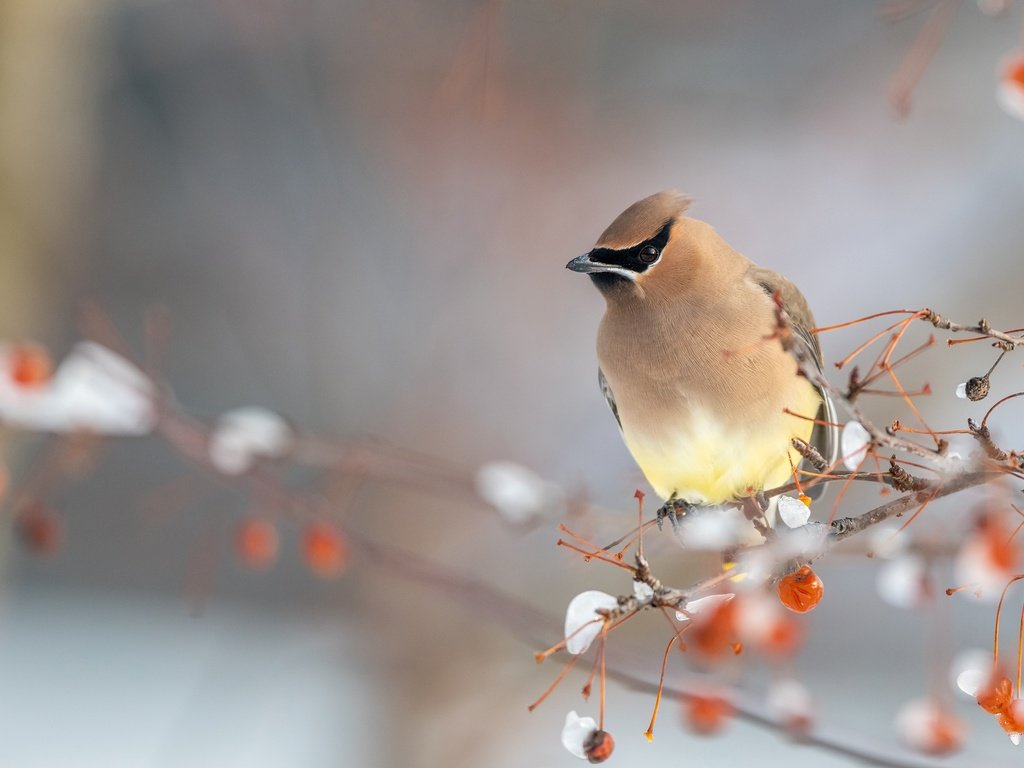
(632, 258)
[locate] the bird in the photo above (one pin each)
(706, 398)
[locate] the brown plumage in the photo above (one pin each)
(697, 391)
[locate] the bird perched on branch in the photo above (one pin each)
(690, 362)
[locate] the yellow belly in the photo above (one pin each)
(705, 463)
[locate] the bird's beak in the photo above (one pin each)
(585, 265)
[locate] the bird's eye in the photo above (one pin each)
(649, 254)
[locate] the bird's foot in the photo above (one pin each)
(755, 508)
(762, 501)
(675, 510)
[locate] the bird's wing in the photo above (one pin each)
(609, 398)
(825, 437)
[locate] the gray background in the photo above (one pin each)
(358, 215)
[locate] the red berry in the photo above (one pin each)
(707, 714)
(1011, 718)
(29, 365)
(930, 728)
(39, 530)
(256, 542)
(783, 636)
(714, 630)
(947, 736)
(998, 543)
(324, 549)
(1015, 72)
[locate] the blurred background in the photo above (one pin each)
(357, 215)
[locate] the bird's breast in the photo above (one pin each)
(712, 430)
(701, 458)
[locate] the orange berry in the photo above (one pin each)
(29, 365)
(325, 550)
(39, 530)
(707, 714)
(801, 590)
(928, 727)
(998, 542)
(994, 697)
(1015, 72)
(791, 702)
(783, 638)
(714, 630)
(256, 542)
(599, 746)
(947, 735)
(1011, 718)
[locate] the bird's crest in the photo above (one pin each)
(643, 219)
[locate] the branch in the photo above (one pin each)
(845, 527)
(983, 328)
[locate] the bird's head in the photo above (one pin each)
(645, 240)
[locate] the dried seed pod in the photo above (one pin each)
(977, 388)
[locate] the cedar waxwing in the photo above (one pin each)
(697, 390)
